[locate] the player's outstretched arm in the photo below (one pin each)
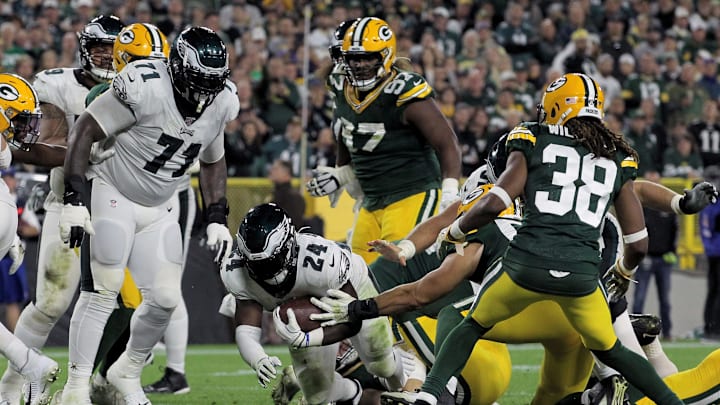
(213, 183)
(661, 198)
(341, 307)
(420, 238)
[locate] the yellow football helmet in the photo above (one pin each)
(569, 96)
(369, 37)
(139, 41)
(19, 111)
(469, 199)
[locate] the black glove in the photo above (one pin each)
(359, 310)
(699, 197)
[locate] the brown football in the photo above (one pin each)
(302, 307)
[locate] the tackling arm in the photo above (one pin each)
(629, 213)
(661, 198)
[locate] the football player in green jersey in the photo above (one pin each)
(392, 138)
(569, 167)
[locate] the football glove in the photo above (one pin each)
(454, 235)
(292, 334)
(697, 198)
(341, 307)
(220, 241)
(400, 253)
(450, 193)
(17, 254)
(266, 370)
(100, 152)
(329, 181)
(617, 281)
(74, 223)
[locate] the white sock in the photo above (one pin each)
(147, 326)
(33, 327)
(659, 360)
(452, 385)
(625, 333)
(78, 376)
(87, 325)
(343, 389)
(12, 348)
(176, 338)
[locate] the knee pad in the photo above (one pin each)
(167, 292)
(110, 244)
(107, 278)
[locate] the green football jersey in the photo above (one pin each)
(391, 159)
(567, 194)
(95, 92)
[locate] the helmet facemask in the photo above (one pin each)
(366, 70)
(24, 129)
(96, 45)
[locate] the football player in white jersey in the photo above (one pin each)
(162, 118)
(19, 124)
(135, 42)
(274, 263)
(61, 94)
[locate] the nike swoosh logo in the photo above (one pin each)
(169, 209)
(332, 262)
(415, 83)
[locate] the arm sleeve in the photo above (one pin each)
(248, 341)
(111, 113)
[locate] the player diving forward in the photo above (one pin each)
(19, 125)
(274, 263)
(62, 95)
(163, 118)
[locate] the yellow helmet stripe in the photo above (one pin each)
(154, 38)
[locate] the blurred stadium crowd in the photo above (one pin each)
(656, 60)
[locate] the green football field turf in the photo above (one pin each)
(217, 374)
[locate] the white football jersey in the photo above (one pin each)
(321, 265)
(5, 195)
(61, 88)
(153, 154)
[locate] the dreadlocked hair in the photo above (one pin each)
(598, 138)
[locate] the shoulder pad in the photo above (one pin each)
(410, 87)
(521, 132)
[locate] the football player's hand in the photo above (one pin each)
(389, 251)
(450, 193)
(616, 283)
(446, 235)
(219, 241)
(326, 180)
(266, 369)
(74, 223)
(17, 254)
(697, 198)
(99, 154)
(290, 332)
(335, 305)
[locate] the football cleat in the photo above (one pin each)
(171, 382)
(647, 327)
(71, 397)
(124, 374)
(287, 388)
(39, 372)
(610, 391)
(402, 398)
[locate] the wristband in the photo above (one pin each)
(675, 204)
(501, 194)
(217, 212)
(637, 236)
(74, 187)
(314, 337)
(407, 248)
(624, 270)
(359, 310)
(450, 184)
(455, 232)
